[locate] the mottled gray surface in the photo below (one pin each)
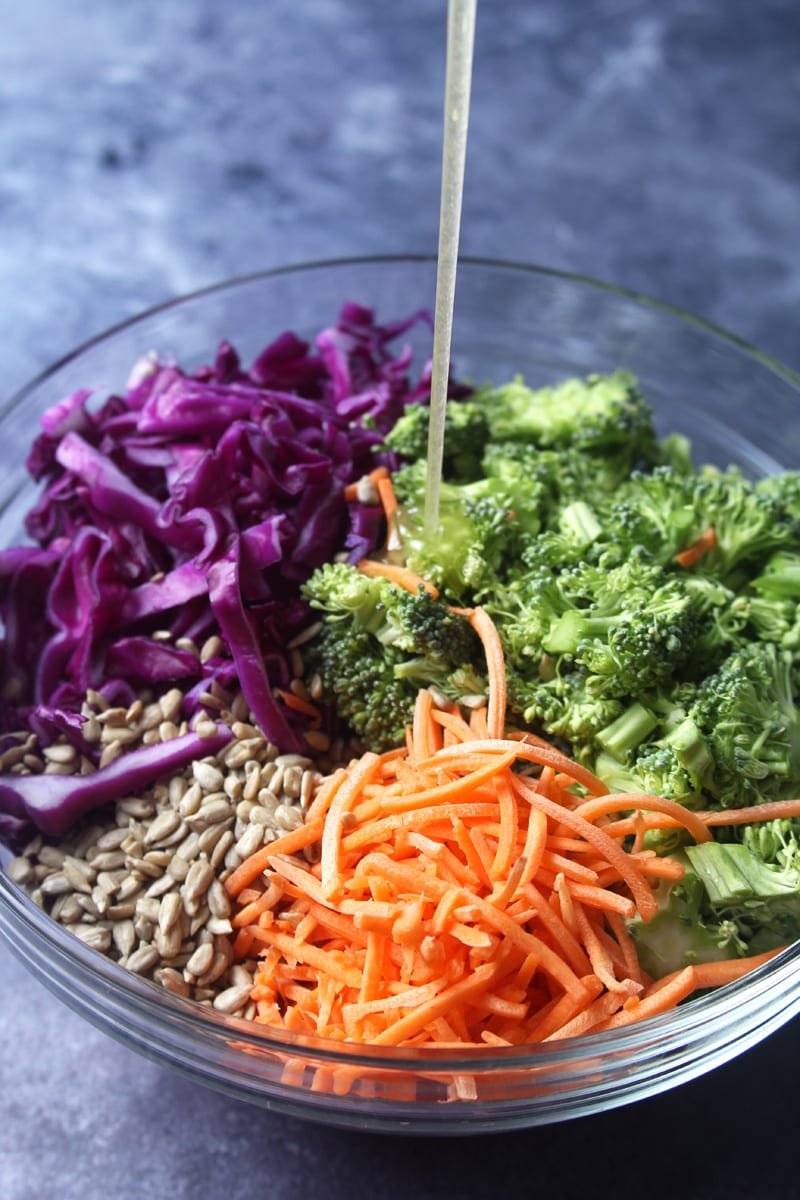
(149, 148)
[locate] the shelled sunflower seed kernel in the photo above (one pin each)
(143, 881)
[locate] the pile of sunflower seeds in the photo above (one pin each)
(143, 881)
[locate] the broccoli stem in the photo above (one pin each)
(572, 627)
(623, 735)
(579, 522)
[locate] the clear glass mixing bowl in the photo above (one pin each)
(735, 404)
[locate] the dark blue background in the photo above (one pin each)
(148, 147)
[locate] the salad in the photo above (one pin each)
(269, 743)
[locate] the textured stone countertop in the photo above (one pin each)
(147, 149)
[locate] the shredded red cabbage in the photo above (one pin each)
(194, 503)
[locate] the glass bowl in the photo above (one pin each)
(737, 406)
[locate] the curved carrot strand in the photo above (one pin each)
(396, 574)
(486, 630)
(625, 801)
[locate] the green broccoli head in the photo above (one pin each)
(665, 511)
(724, 622)
(559, 704)
(746, 711)
(784, 490)
(749, 522)
(678, 765)
(603, 414)
(685, 929)
(769, 604)
(630, 627)
(466, 432)
(482, 527)
(654, 511)
(378, 644)
(359, 681)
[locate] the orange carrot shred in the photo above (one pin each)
(397, 575)
(301, 705)
(352, 489)
(692, 554)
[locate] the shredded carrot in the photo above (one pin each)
(396, 574)
(625, 801)
(770, 810)
(301, 705)
(715, 974)
(290, 843)
(458, 901)
(486, 630)
(389, 502)
(352, 489)
(692, 554)
(423, 739)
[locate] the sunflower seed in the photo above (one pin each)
(124, 936)
(201, 960)
(232, 999)
(94, 935)
(172, 981)
(142, 960)
(169, 911)
(165, 823)
(198, 879)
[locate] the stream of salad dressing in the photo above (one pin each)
(458, 78)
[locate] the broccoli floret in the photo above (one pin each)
(723, 622)
(731, 740)
(784, 490)
(749, 522)
(684, 930)
(630, 627)
(378, 644)
(559, 704)
(737, 897)
(482, 527)
(653, 510)
(679, 765)
(582, 644)
(548, 480)
(746, 711)
(770, 604)
(667, 509)
(657, 749)
(466, 432)
(602, 415)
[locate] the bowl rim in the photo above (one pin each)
(686, 1022)
(683, 1023)
(781, 369)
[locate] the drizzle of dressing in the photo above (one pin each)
(458, 80)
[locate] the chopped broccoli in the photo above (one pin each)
(747, 712)
(736, 897)
(379, 644)
(653, 510)
(482, 526)
(665, 510)
(770, 603)
(466, 432)
(684, 930)
(559, 703)
(604, 415)
(629, 628)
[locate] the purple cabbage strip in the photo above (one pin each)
(238, 630)
(54, 802)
